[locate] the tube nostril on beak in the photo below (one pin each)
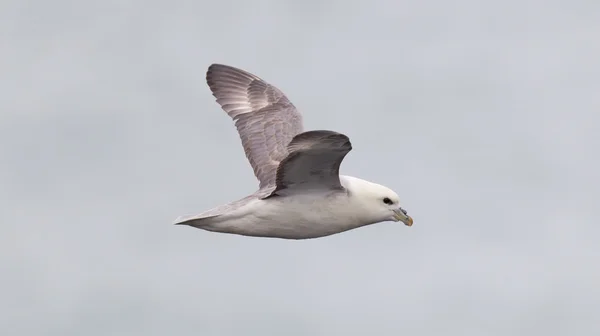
(404, 211)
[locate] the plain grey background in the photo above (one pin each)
(483, 116)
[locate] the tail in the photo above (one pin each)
(198, 221)
(209, 219)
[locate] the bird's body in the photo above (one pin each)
(301, 194)
(302, 216)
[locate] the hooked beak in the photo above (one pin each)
(400, 215)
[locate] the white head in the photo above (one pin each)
(375, 202)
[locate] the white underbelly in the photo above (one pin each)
(297, 218)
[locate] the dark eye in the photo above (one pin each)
(388, 201)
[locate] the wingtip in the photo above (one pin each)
(216, 71)
(216, 66)
(211, 68)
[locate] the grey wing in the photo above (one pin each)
(313, 162)
(265, 119)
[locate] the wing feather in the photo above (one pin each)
(265, 118)
(313, 162)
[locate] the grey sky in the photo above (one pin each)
(483, 116)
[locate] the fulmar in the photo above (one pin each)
(301, 194)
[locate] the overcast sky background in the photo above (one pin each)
(482, 115)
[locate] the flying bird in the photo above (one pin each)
(301, 194)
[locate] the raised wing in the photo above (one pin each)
(313, 162)
(265, 119)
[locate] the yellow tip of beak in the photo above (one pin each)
(401, 217)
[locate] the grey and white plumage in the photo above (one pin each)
(301, 194)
